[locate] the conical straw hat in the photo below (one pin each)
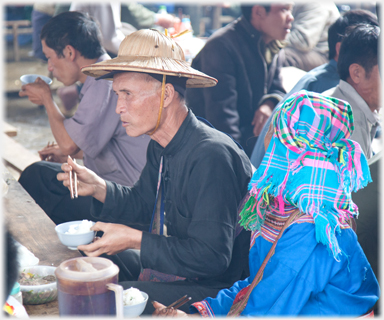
(150, 51)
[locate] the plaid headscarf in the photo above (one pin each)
(311, 164)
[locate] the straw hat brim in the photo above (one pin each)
(145, 64)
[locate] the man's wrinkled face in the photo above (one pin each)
(138, 101)
(62, 68)
(278, 22)
(369, 88)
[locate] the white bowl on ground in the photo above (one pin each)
(29, 78)
(39, 294)
(72, 241)
(135, 310)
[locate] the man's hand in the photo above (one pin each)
(37, 92)
(88, 182)
(52, 154)
(116, 238)
(261, 116)
(161, 311)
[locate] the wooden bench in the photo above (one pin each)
(15, 30)
(31, 227)
(15, 155)
(9, 130)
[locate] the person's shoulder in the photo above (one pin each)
(92, 86)
(330, 92)
(223, 35)
(217, 144)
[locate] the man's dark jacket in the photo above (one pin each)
(233, 57)
(205, 176)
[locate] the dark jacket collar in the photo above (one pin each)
(248, 28)
(181, 137)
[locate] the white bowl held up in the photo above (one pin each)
(73, 240)
(29, 78)
(136, 309)
(39, 294)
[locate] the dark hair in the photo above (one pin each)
(337, 30)
(76, 29)
(246, 10)
(360, 45)
(11, 264)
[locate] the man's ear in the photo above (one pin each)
(69, 52)
(356, 73)
(169, 93)
(258, 12)
(337, 48)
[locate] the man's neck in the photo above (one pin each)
(81, 62)
(356, 87)
(170, 124)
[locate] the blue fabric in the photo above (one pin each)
(302, 278)
(317, 80)
(312, 164)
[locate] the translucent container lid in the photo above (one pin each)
(86, 269)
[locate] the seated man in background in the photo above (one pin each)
(305, 259)
(70, 41)
(323, 77)
(307, 46)
(190, 187)
(360, 82)
(246, 59)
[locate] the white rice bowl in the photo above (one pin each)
(132, 296)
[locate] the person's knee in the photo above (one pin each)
(30, 173)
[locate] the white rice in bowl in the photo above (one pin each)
(83, 227)
(132, 296)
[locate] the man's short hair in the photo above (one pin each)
(337, 30)
(360, 45)
(76, 29)
(246, 10)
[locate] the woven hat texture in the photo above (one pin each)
(150, 51)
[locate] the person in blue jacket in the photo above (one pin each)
(318, 267)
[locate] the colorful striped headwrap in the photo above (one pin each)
(310, 164)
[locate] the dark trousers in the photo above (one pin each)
(39, 19)
(164, 292)
(39, 180)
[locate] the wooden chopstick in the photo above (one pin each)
(181, 303)
(178, 303)
(75, 180)
(47, 158)
(70, 184)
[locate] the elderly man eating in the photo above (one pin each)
(188, 192)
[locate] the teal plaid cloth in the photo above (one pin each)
(311, 164)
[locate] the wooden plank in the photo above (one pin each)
(19, 31)
(30, 226)
(16, 155)
(17, 23)
(9, 130)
